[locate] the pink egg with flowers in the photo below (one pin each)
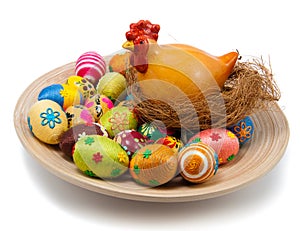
(91, 66)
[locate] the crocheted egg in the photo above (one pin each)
(85, 87)
(113, 85)
(100, 156)
(79, 114)
(243, 130)
(47, 121)
(172, 142)
(91, 66)
(98, 105)
(198, 162)
(153, 165)
(63, 94)
(223, 141)
(73, 134)
(119, 119)
(131, 141)
(120, 62)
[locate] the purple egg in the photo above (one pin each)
(131, 141)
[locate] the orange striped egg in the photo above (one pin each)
(198, 162)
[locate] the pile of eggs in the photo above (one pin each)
(90, 118)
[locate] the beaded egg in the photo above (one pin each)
(172, 142)
(118, 119)
(47, 121)
(63, 94)
(86, 88)
(113, 85)
(79, 114)
(120, 62)
(73, 134)
(198, 162)
(223, 141)
(98, 105)
(91, 66)
(153, 165)
(100, 156)
(131, 141)
(243, 130)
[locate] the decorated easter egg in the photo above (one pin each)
(172, 142)
(100, 156)
(113, 85)
(198, 162)
(85, 87)
(98, 105)
(47, 121)
(63, 94)
(91, 66)
(131, 141)
(118, 119)
(152, 131)
(78, 114)
(153, 165)
(120, 62)
(243, 130)
(73, 134)
(223, 141)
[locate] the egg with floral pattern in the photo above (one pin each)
(243, 130)
(47, 121)
(223, 141)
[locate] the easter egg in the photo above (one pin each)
(78, 114)
(172, 142)
(120, 62)
(113, 85)
(91, 66)
(243, 130)
(85, 87)
(118, 119)
(152, 131)
(198, 162)
(63, 94)
(73, 134)
(47, 121)
(100, 156)
(98, 105)
(153, 165)
(131, 141)
(223, 141)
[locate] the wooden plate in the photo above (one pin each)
(255, 158)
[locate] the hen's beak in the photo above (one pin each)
(128, 45)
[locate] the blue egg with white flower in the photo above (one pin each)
(243, 130)
(47, 121)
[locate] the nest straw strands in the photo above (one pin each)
(249, 88)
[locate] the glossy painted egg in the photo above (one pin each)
(85, 87)
(47, 121)
(78, 114)
(119, 119)
(120, 62)
(172, 142)
(91, 66)
(131, 141)
(153, 165)
(243, 130)
(63, 94)
(98, 105)
(198, 162)
(223, 141)
(152, 131)
(100, 156)
(73, 134)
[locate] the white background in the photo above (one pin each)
(38, 36)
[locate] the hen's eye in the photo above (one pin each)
(142, 42)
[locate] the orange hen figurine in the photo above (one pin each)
(166, 71)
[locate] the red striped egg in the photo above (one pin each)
(91, 66)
